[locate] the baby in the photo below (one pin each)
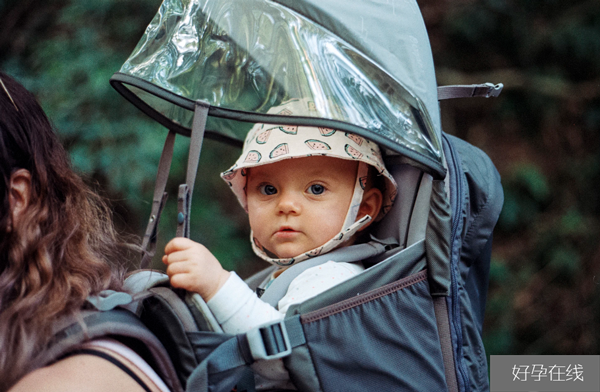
(307, 191)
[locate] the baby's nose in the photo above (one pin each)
(289, 203)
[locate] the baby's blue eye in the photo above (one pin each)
(316, 189)
(268, 189)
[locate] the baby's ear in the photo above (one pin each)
(371, 204)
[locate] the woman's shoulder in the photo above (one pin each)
(80, 372)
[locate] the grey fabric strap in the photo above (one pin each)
(348, 254)
(183, 211)
(440, 308)
(437, 241)
(159, 199)
(485, 90)
(198, 127)
(257, 279)
(184, 199)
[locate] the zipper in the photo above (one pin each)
(457, 217)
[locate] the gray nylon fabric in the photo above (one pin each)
(399, 264)
(304, 375)
(388, 343)
(220, 370)
(407, 220)
(437, 240)
(349, 254)
(480, 203)
(485, 201)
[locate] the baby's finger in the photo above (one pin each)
(178, 256)
(180, 281)
(178, 244)
(183, 281)
(177, 269)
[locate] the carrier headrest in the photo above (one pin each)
(407, 219)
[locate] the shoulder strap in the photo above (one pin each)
(122, 363)
(348, 254)
(122, 325)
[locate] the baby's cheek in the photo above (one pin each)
(326, 224)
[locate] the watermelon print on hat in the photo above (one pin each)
(291, 130)
(353, 152)
(253, 157)
(326, 131)
(314, 144)
(355, 138)
(280, 150)
(263, 136)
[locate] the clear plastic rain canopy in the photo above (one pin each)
(364, 66)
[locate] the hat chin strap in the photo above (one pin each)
(350, 227)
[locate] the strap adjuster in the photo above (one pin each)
(489, 90)
(269, 341)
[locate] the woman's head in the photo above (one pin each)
(17, 149)
(56, 235)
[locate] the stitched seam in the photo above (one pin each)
(359, 300)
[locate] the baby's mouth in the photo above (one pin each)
(285, 231)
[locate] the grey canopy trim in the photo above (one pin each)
(120, 80)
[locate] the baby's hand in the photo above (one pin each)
(192, 267)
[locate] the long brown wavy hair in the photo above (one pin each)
(59, 252)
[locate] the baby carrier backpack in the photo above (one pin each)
(412, 321)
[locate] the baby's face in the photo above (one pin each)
(296, 205)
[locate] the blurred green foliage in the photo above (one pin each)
(542, 133)
(65, 52)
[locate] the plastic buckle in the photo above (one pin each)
(269, 341)
(493, 90)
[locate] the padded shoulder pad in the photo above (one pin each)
(119, 324)
(485, 196)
